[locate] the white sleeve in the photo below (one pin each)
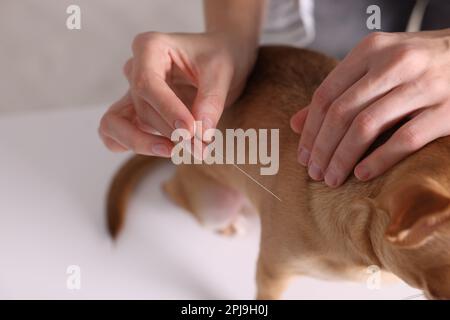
(289, 22)
(415, 20)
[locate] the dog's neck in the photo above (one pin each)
(358, 233)
(369, 243)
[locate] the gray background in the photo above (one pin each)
(45, 65)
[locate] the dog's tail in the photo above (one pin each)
(121, 187)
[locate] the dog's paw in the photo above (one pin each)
(235, 228)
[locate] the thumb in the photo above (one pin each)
(210, 100)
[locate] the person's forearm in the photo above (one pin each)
(240, 20)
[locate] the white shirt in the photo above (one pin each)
(289, 22)
(292, 21)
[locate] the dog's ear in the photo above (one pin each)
(418, 209)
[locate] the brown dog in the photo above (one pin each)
(399, 221)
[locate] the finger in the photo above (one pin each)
(123, 131)
(346, 73)
(148, 82)
(416, 133)
(298, 120)
(141, 124)
(128, 68)
(347, 106)
(129, 106)
(122, 105)
(111, 144)
(119, 107)
(369, 124)
(370, 88)
(211, 96)
(146, 127)
(149, 118)
(341, 114)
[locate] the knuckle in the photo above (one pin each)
(428, 84)
(321, 100)
(338, 113)
(365, 125)
(104, 124)
(142, 38)
(375, 40)
(139, 40)
(409, 56)
(127, 67)
(140, 83)
(147, 40)
(307, 138)
(215, 102)
(402, 53)
(338, 163)
(320, 109)
(414, 86)
(321, 95)
(319, 155)
(411, 138)
(137, 145)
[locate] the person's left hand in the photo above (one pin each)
(386, 78)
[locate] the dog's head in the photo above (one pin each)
(417, 238)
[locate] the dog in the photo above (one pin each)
(399, 221)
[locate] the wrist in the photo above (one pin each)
(243, 49)
(237, 23)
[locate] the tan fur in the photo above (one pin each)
(398, 221)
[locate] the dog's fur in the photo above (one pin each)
(399, 221)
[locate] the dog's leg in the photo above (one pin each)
(271, 279)
(214, 205)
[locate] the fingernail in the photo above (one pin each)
(362, 173)
(303, 156)
(180, 124)
(315, 172)
(160, 150)
(331, 178)
(293, 124)
(206, 124)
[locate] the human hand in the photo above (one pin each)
(383, 80)
(175, 79)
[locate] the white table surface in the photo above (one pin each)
(54, 173)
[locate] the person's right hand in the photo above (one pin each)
(175, 79)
